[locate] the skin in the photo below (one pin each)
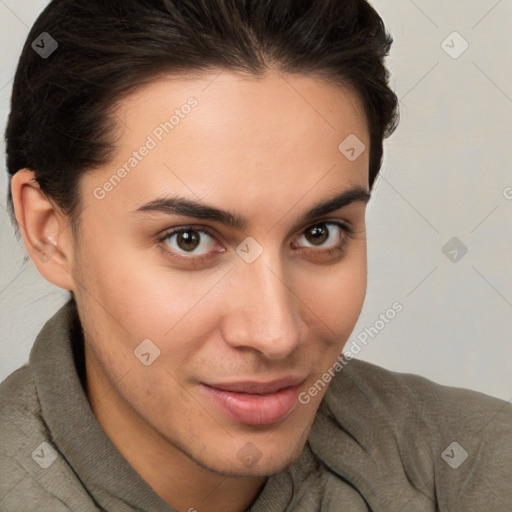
(266, 149)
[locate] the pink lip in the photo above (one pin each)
(256, 403)
(259, 388)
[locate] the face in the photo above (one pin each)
(206, 327)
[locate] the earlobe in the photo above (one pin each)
(45, 230)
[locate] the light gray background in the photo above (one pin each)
(445, 174)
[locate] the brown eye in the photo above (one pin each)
(317, 235)
(188, 239)
(321, 233)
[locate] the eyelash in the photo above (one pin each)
(346, 229)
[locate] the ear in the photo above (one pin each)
(46, 231)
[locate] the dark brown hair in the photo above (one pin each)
(61, 124)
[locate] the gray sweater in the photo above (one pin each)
(381, 441)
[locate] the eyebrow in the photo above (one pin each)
(176, 205)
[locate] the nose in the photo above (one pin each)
(263, 310)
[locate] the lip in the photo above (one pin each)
(259, 387)
(256, 403)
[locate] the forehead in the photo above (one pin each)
(234, 136)
(244, 104)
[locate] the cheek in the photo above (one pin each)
(337, 294)
(134, 298)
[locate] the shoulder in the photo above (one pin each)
(402, 396)
(33, 475)
(394, 390)
(20, 412)
(426, 440)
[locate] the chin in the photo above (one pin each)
(251, 461)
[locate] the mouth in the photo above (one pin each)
(256, 403)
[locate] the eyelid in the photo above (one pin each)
(211, 232)
(346, 226)
(171, 231)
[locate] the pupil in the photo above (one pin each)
(320, 235)
(187, 241)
